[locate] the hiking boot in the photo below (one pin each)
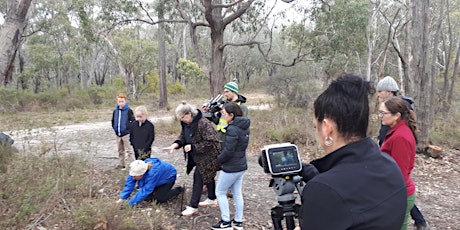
(237, 225)
(208, 202)
(189, 211)
(222, 225)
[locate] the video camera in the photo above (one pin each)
(280, 159)
(213, 106)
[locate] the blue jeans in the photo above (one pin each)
(235, 182)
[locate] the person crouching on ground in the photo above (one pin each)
(201, 146)
(154, 178)
(234, 165)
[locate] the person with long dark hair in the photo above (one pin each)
(234, 165)
(400, 142)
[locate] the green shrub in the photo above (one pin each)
(175, 88)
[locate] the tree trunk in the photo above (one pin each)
(11, 36)
(420, 53)
(453, 78)
(162, 59)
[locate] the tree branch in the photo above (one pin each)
(226, 5)
(240, 11)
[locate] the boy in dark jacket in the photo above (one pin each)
(121, 120)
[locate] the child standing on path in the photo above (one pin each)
(141, 134)
(121, 120)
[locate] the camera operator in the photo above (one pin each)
(357, 187)
(231, 95)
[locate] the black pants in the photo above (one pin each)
(163, 193)
(198, 189)
(417, 216)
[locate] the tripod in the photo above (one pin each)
(287, 209)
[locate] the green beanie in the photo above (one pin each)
(232, 86)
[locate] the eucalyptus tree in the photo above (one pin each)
(136, 55)
(49, 50)
(338, 38)
(11, 32)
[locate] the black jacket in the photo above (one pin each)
(142, 137)
(233, 155)
(357, 187)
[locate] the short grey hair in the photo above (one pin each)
(185, 108)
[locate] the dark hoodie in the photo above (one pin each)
(233, 155)
(121, 119)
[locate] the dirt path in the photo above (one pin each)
(437, 180)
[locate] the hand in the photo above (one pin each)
(308, 172)
(119, 201)
(187, 148)
(171, 148)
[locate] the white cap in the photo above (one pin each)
(137, 168)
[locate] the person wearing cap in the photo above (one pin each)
(154, 178)
(387, 88)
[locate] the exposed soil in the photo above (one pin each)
(437, 180)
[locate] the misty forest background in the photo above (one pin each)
(51, 50)
(61, 55)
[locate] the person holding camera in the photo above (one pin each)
(201, 146)
(234, 165)
(358, 187)
(231, 95)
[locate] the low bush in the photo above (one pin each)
(66, 193)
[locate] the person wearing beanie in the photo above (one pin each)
(387, 88)
(154, 178)
(231, 95)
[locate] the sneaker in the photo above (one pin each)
(208, 202)
(189, 211)
(237, 225)
(222, 225)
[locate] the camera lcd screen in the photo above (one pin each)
(284, 160)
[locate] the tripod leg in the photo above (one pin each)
(277, 217)
(290, 224)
